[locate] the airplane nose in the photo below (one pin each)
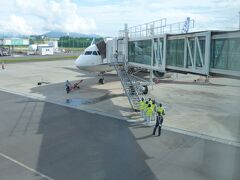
(77, 62)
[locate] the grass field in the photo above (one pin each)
(73, 49)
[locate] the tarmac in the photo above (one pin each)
(92, 132)
(45, 141)
(193, 107)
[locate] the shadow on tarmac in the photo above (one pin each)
(74, 144)
(102, 97)
(64, 143)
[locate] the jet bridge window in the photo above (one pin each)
(88, 53)
(98, 52)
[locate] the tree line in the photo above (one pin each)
(71, 42)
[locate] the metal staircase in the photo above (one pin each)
(131, 85)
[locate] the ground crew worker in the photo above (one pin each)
(68, 86)
(149, 113)
(145, 110)
(159, 119)
(154, 110)
(149, 101)
(115, 55)
(160, 109)
(141, 106)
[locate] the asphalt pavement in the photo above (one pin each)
(40, 140)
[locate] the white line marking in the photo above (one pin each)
(202, 136)
(26, 167)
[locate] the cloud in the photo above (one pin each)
(17, 25)
(65, 17)
(208, 14)
(33, 16)
(106, 17)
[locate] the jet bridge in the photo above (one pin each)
(102, 48)
(111, 49)
(158, 47)
(161, 47)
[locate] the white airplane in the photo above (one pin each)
(92, 61)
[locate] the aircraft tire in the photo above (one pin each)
(101, 81)
(158, 74)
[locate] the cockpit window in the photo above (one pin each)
(88, 53)
(95, 53)
(98, 52)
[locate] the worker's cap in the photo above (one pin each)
(146, 102)
(149, 105)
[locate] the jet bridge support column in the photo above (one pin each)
(125, 51)
(151, 70)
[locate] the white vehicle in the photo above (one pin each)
(93, 61)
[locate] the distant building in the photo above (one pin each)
(45, 50)
(7, 45)
(33, 47)
(14, 42)
(54, 44)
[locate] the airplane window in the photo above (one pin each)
(98, 52)
(94, 52)
(88, 53)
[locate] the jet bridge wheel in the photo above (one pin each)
(158, 74)
(101, 81)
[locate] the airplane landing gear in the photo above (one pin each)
(101, 81)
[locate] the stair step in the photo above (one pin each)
(130, 85)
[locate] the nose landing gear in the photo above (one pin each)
(101, 80)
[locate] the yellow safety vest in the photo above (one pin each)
(141, 105)
(161, 110)
(149, 111)
(153, 107)
(145, 106)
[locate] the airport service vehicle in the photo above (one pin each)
(4, 51)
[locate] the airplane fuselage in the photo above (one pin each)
(92, 61)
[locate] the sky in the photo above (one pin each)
(107, 17)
